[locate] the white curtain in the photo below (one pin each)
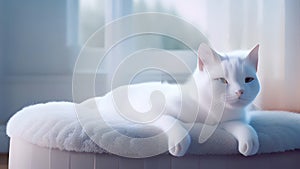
(274, 24)
(232, 24)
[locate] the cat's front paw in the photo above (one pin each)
(249, 146)
(179, 148)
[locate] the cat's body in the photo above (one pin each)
(166, 106)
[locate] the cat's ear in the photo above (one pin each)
(206, 56)
(252, 57)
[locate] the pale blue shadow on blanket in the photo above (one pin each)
(55, 125)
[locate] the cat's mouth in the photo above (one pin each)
(238, 100)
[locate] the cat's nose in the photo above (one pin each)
(239, 92)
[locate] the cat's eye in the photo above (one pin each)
(249, 79)
(223, 80)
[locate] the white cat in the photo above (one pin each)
(166, 106)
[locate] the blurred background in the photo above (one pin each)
(40, 41)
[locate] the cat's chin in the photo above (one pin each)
(237, 103)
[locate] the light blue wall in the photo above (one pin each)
(36, 37)
(1, 57)
(1, 36)
(36, 63)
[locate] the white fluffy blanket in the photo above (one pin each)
(55, 125)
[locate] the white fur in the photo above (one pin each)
(56, 125)
(166, 106)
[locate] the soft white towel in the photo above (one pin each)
(55, 125)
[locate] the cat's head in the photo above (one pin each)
(234, 72)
